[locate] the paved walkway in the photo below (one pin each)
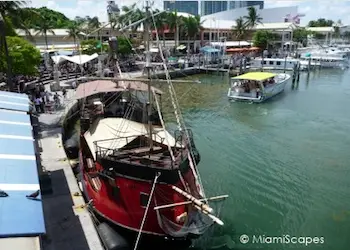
(68, 224)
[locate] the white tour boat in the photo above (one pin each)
(274, 63)
(257, 86)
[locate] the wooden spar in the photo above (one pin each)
(196, 201)
(129, 79)
(220, 197)
(214, 218)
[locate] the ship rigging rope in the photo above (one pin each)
(163, 125)
(146, 211)
(177, 112)
(129, 112)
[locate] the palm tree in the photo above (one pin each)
(174, 22)
(74, 31)
(160, 24)
(192, 27)
(8, 9)
(253, 18)
(240, 29)
(45, 26)
(25, 20)
(94, 24)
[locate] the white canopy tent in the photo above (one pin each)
(78, 59)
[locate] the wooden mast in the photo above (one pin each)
(146, 28)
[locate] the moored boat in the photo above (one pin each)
(257, 86)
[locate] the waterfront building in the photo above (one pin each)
(211, 7)
(190, 7)
(215, 26)
(206, 7)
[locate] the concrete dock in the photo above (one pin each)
(68, 223)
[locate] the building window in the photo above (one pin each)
(278, 63)
(144, 199)
(264, 62)
(271, 62)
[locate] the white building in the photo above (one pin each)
(273, 15)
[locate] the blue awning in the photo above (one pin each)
(14, 101)
(19, 215)
(208, 49)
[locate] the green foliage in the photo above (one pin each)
(24, 56)
(240, 29)
(191, 26)
(321, 22)
(300, 35)
(92, 46)
(262, 38)
(253, 18)
(124, 47)
(9, 28)
(59, 20)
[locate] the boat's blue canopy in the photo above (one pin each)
(19, 216)
(208, 49)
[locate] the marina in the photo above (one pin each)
(159, 130)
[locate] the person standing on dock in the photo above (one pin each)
(37, 103)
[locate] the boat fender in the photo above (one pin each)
(111, 239)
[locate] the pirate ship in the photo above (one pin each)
(136, 174)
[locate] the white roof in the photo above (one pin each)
(58, 32)
(117, 129)
(275, 26)
(230, 24)
(56, 47)
(78, 59)
(218, 24)
(183, 14)
(320, 29)
(231, 44)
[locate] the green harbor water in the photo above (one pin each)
(285, 163)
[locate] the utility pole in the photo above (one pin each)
(148, 68)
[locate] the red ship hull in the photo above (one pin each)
(118, 201)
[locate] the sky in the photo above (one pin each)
(329, 9)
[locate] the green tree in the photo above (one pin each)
(9, 10)
(124, 46)
(240, 29)
(262, 38)
(192, 27)
(25, 57)
(321, 22)
(9, 28)
(253, 18)
(92, 46)
(300, 35)
(59, 20)
(74, 31)
(160, 24)
(174, 22)
(45, 26)
(94, 24)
